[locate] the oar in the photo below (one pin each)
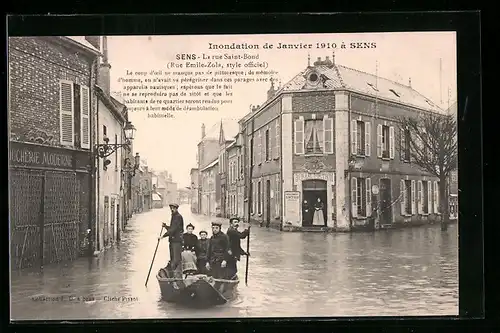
(248, 256)
(154, 255)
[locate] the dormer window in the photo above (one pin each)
(372, 86)
(394, 92)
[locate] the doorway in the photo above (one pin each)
(268, 203)
(385, 201)
(311, 191)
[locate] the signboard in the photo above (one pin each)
(292, 206)
(34, 155)
(375, 189)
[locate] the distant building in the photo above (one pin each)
(195, 191)
(209, 183)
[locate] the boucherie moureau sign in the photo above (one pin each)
(22, 154)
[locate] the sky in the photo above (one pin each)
(171, 144)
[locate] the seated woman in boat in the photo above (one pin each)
(188, 262)
(202, 254)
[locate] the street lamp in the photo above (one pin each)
(106, 149)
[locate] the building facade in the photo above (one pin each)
(228, 129)
(194, 191)
(210, 201)
(52, 109)
(330, 139)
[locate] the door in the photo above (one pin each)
(113, 220)
(312, 190)
(385, 201)
(106, 221)
(268, 202)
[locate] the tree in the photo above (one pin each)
(430, 140)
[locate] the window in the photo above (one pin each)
(254, 199)
(328, 133)
(314, 136)
(277, 139)
(405, 145)
(259, 147)
(361, 197)
(437, 207)
(385, 141)
(267, 146)
(116, 153)
(241, 167)
(259, 199)
(360, 138)
(423, 193)
(74, 115)
(406, 197)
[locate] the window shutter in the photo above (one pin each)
(368, 196)
(354, 196)
(66, 112)
(403, 196)
(259, 147)
(391, 142)
(419, 197)
(278, 141)
(413, 198)
(402, 150)
(299, 136)
(379, 140)
(368, 141)
(436, 198)
(328, 135)
(429, 197)
(85, 117)
(354, 137)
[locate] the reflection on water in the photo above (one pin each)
(396, 272)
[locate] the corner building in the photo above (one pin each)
(332, 133)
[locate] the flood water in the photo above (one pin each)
(386, 273)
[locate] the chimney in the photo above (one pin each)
(333, 58)
(95, 41)
(104, 79)
(318, 62)
(202, 131)
(328, 62)
(271, 91)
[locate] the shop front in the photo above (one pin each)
(50, 202)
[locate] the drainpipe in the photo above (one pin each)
(349, 199)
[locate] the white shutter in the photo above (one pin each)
(429, 197)
(368, 141)
(354, 137)
(379, 140)
(403, 196)
(391, 142)
(402, 142)
(368, 196)
(66, 112)
(278, 139)
(436, 198)
(354, 197)
(419, 197)
(413, 198)
(299, 136)
(85, 117)
(328, 135)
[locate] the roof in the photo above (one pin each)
(83, 42)
(211, 165)
(231, 145)
(156, 196)
(230, 127)
(340, 77)
(452, 109)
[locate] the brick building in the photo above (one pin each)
(331, 134)
(52, 108)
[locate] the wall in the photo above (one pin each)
(109, 179)
(208, 150)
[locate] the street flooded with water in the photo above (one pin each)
(386, 273)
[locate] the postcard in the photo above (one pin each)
(233, 176)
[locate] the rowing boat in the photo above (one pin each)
(196, 290)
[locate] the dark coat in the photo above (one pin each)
(190, 242)
(218, 248)
(235, 238)
(203, 245)
(174, 232)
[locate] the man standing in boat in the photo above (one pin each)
(218, 252)
(175, 236)
(235, 250)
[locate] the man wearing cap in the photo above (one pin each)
(174, 233)
(235, 250)
(218, 251)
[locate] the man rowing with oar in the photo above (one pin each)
(174, 233)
